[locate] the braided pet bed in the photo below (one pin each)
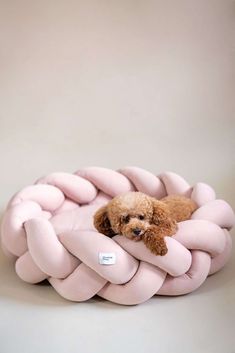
(48, 229)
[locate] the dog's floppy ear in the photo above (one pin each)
(102, 223)
(162, 219)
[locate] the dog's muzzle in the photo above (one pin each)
(137, 231)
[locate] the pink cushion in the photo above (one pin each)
(48, 230)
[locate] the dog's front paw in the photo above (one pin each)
(155, 243)
(161, 249)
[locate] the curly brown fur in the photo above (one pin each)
(141, 217)
(102, 223)
(180, 207)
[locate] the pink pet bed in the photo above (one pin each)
(48, 230)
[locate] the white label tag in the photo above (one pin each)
(107, 258)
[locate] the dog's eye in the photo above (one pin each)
(141, 217)
(126, 219)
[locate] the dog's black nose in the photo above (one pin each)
(136, 231)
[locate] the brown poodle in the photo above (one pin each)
(141, 217)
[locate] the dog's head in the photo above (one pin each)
(131, 214)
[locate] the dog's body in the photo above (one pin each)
(141, 217)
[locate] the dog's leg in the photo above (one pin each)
(154, 241)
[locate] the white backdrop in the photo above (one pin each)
(116, 83)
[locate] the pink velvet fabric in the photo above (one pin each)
(48, 230)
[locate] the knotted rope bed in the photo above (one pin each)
(48, 229)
